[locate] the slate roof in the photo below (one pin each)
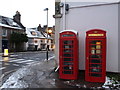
(37, 34)
(10, 23)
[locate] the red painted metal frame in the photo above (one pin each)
(75, 49)
(88, 73)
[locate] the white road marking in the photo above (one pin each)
(2, 68)
(30, 63)
(12, 58)
(13, 55)
(16, 60)
(25, 61)
(15, 64)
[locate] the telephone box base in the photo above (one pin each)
(95, 80)
(69, 78)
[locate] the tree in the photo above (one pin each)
(17, 39)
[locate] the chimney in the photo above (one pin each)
(17, 17)
(39, 27)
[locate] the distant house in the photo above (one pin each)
(37, 40)
(43, 31)
(7, 27)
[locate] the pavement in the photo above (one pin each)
(43, 75)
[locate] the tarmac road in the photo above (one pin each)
(20, 59)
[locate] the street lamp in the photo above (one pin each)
(49, 31)
(46, 9)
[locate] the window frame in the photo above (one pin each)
(4, 32)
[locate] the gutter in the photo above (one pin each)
(92, 5)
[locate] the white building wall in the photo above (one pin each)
(101, 17)
(119, 37)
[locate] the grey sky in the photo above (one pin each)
(32, 11)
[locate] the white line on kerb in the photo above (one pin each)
(50, 58)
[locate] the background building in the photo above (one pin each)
(37, 40)
(43, 30)
(7, 27)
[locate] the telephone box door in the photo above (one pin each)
(95, 56)
(68, 55)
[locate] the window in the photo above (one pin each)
(4, 33)
(41, 40)
(11, 31)
(68, 35)
(30, 41)
(33, 33)
(36, 41)
(68, 42)
(51, 41)
(43, 46)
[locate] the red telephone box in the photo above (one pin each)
(95, 56)
(68, 55)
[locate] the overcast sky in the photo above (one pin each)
(32, 11)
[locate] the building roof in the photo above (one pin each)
(33, 33)
(10, 23)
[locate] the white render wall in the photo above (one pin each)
(119, 38)
(83, 19)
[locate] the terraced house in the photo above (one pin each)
(7, 27)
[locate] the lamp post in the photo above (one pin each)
(46, 9)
